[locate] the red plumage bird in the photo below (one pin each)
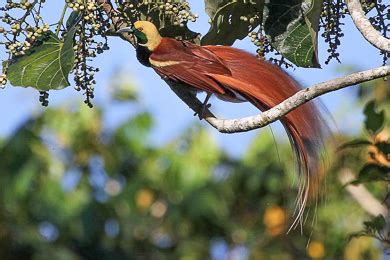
(237, 76)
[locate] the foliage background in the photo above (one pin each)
(72, 189)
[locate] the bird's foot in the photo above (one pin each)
(205, 106)
(203, 111)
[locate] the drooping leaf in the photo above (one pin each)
(383, 147)
(293, 27)
(376, 224)
(226, 23)
(46, 66)
(355, 143)
(374, 120)
(373, 172)
(211, 6)
(372, 228)
(73, 19)
(181, 33)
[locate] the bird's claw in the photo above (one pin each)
(203, 111)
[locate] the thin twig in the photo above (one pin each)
(365, 27)
(60, 22)
(117, 20)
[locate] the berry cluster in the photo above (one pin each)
(264, 47)
(3, 80)
(333, 11)
(90, 40)
(21, 26)
(380, 20)
(44, 98)
(178, 12)
(251, 18)
(261, 42)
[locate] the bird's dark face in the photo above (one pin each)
(141, 37)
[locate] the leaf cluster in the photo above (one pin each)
(74, 189)
(290, 28)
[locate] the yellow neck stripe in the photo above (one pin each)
(161, 64)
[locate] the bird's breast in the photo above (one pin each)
(143, 55)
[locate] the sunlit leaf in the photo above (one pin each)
(46, 66)
(226, 23)
(293, 28)
(373, 172)
(74, 19)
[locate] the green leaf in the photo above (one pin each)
(383, 147)
(46, 66)
(212, 6)
(373, 172)
(374, 120)
(354, 143)
(377, 224)
(181, 33)
(74, 19)
(226, 23)
(293, 28)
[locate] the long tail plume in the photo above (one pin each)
(266, 85)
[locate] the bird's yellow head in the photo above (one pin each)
(146, 34)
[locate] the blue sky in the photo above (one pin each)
(170, 114)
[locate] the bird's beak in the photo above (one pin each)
(126, 29)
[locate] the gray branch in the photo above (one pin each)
(365, 199)
(117, 21)
(365, 27)
(275, 113)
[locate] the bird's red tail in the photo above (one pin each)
(266, 85)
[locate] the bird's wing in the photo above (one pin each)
(189, 63)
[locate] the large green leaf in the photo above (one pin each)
(46, 66)
(383, 147)
(377, 223)
(292, 26)
(226, 23)
(212, 6)
(373, 172)
(73, 19)
(374, 120)
(355, 143)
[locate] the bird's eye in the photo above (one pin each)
(140, 29)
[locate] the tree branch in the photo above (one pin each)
(275, 113)
(365, 199)
(253, 122)
(117, 20)
(365, 27)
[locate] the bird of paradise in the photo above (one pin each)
(234, 75)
